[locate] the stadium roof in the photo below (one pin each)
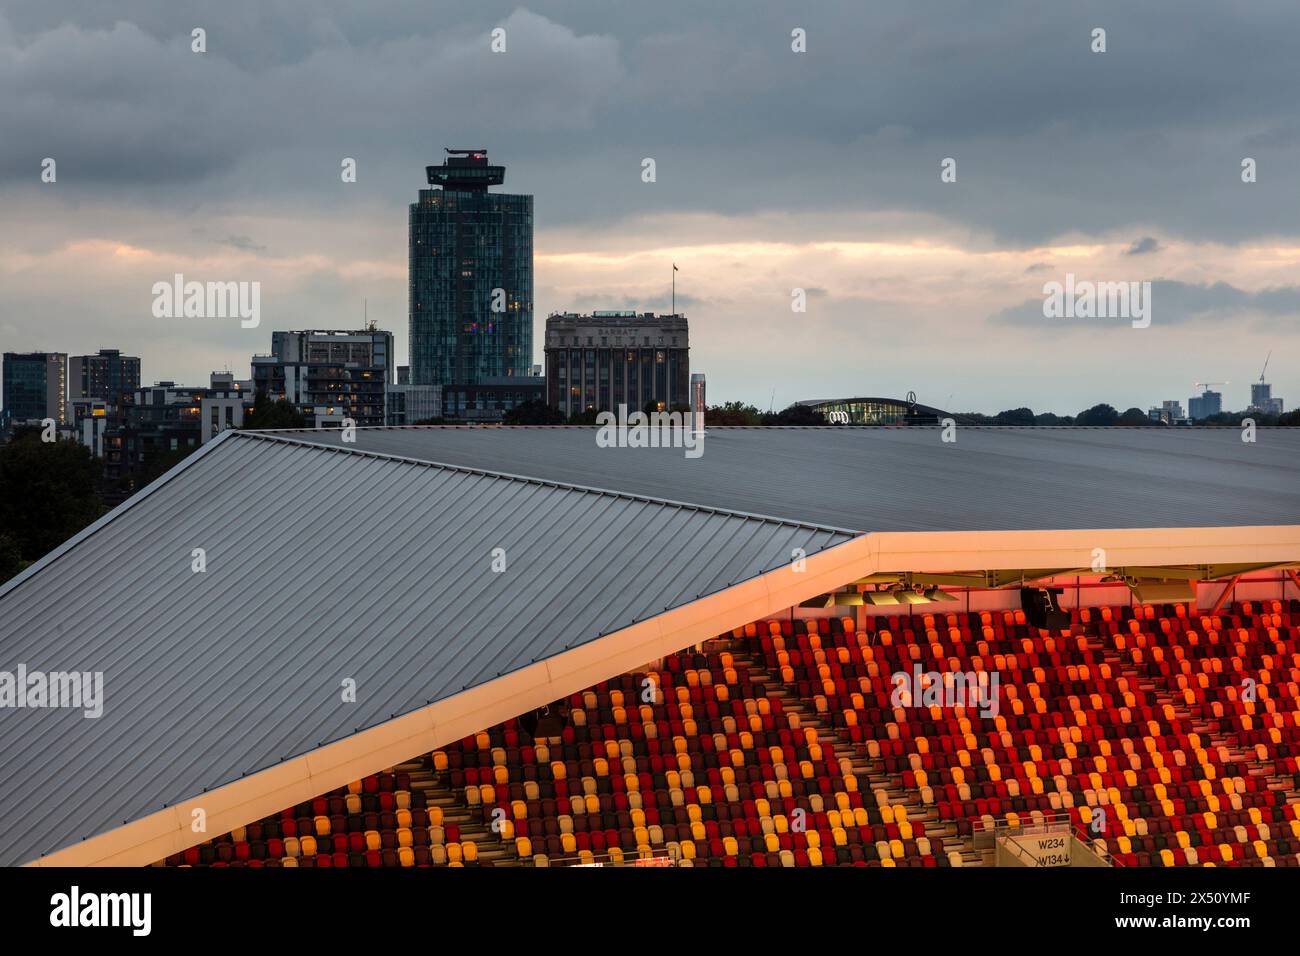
(373, 562)
(908, 478)
(320, 565)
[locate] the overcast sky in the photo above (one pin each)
(775, 170)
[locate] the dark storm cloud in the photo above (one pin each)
(242, 243)
(1049, 137)
(1143, 246)
(134, 105)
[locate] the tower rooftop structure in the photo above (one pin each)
(466, 170)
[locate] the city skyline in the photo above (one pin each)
(1166, 410)
(910, 283)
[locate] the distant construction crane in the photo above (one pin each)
(1265, 368)
(1208, 384)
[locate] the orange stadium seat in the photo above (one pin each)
(1170, 737)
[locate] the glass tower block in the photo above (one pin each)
(471, 275)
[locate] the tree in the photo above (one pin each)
(533, 413)
(587, 417)
(794, 415)
(11, 558)
(1134, 416)
(48, 492)
(1014, 416)
(157, 462)
(268, 414)
(1097, 415)
(1234, 419)
(1047, 418)
(732, 413)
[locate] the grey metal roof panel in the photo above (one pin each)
(907, 478)
(321, 564)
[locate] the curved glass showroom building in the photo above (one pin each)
(876, 411)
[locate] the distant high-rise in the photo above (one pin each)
(330, 374)
(109, 376)
(1209, 403)
(35, 387)
(1262, 400)
(471, 275)
(1170, 412)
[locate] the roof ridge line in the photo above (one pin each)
(564, 485)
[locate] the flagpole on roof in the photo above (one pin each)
(674, 288)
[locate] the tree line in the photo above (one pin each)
(1104, 414)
